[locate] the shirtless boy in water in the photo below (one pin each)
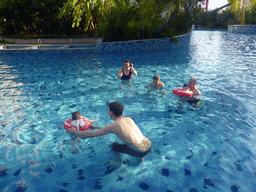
(135, 143)
(156, 84)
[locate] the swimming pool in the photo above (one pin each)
(209, 148)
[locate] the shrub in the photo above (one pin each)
(125, 22)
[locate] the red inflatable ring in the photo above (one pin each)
(67, 124)
(183, 93)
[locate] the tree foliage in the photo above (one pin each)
(88, 11)
(128, 22)
(240, 7)
(144, 18)
(117, 19)
(221, 19)
(23, 17)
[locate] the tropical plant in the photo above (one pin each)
(219, 20)
(128, 22)
(250, 16)
(89, 12)
(239, 7)
(119, 23)
(35, 17)
(188, 8)
(118, 19)
(15, 15)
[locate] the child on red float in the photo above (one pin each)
(79, 123)
(192, 86)
(195, 100)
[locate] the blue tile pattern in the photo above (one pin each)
(142, 45)
(242, 28)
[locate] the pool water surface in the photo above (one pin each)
(207, 148)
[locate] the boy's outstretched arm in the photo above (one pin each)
(95, 127)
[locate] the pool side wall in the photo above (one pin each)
(242, 29)
(147, 44)
(135, 45)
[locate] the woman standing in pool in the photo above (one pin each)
(127, 71)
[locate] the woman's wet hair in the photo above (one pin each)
(127, 61)
(76, 115)
(117, 108)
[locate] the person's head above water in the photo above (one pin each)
(76, 115)
(116, 108)
(156, 77)
(156, 80)
(192, 82)
(126, 63)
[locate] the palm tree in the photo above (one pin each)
(174, 7)
(92, 10)
(239, 7)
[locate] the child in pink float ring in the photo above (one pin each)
(192, 86)
(79, 123)
(194, 100)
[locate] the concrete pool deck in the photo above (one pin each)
(52, 41)
(49, 44)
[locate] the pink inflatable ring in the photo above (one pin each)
(67, 124)
(183, 93)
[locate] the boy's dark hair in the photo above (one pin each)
(76, 115)
(117, 108)
(185, 85)
(156, 77)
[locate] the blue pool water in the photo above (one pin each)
(208, 148)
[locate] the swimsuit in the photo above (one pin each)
(126, 77)
(142, 149)
(78, 123)
(195, 100)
